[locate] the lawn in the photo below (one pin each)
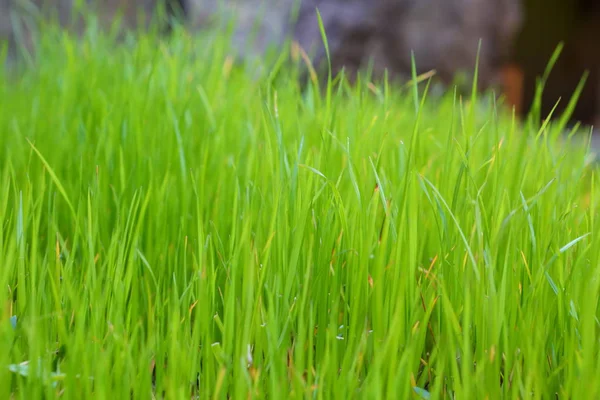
(176, 224)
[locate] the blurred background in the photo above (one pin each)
(547, 23)
(517, 37)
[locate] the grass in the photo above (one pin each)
(174, 225)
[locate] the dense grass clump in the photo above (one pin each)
(175, 225)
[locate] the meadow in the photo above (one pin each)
(175, 224)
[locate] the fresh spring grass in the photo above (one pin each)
(250, 237)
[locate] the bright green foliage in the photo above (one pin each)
(255, 238)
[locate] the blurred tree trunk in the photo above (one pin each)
(576, 24)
